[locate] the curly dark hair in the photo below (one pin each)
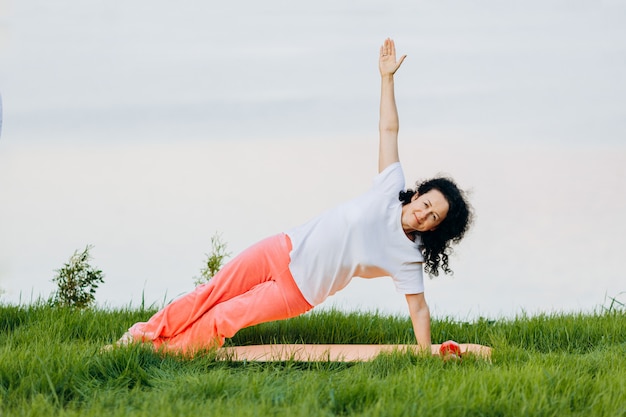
(436, 244)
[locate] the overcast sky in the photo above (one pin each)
(143, 128)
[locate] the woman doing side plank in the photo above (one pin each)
(388, 231)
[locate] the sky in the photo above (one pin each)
(143, 129)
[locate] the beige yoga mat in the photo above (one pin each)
(332, 353)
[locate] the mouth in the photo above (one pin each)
(417, 220)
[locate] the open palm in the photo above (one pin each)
(387, 62)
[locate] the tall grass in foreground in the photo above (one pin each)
(550, 365)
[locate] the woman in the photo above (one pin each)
(388, 231)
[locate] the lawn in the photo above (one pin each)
(546, 365)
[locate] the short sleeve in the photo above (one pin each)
(410, 279)
(391, 180)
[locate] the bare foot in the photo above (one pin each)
(125, 340)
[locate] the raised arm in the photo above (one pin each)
(388, 124)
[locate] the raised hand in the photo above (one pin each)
(387, 63)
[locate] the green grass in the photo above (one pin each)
(549, 365)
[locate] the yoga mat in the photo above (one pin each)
(325, 353)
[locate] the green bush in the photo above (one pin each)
(77, 281)
(214, 260)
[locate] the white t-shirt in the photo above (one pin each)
(360, 238)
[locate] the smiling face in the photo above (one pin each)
(425, 212)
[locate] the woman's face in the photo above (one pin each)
(425, 212)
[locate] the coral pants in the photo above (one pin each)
(255, 287)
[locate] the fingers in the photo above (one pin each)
(388, 57)
(388, 48)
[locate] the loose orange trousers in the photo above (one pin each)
(255, 287)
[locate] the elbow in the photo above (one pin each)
(418, 306)
(423, 312)
(389, 128)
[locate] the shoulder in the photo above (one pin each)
(390, 179)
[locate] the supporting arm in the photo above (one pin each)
(420, 317)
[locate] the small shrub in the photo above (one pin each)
(214, 260)
(77, 281)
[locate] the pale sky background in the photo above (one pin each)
(143, 127)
